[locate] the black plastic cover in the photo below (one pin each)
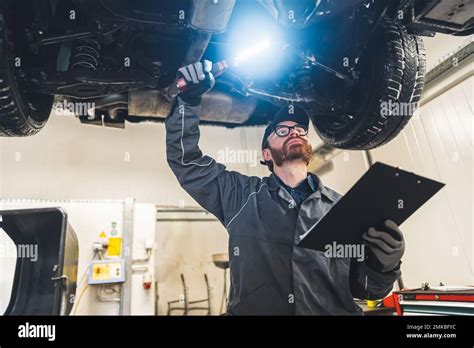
(43, 286)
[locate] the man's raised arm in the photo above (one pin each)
(219, 191)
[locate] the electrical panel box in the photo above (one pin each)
(106, 271)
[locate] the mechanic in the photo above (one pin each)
(266, 217)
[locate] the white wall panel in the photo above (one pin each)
(438, 144)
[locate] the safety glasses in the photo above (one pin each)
(283, 131)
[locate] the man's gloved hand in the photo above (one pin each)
(199, 80)
(386, 247)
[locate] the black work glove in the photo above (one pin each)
(199, 80)
(386, 247)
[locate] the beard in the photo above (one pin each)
(292, 152)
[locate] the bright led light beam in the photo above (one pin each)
(218, 68)
(252, 52)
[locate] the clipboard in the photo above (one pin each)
(383, 192)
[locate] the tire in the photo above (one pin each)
(391, 72)
(21, 114)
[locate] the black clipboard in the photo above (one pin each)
(384, 192)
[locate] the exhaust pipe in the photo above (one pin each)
(207, 17)
(211, 16)
(216, 106)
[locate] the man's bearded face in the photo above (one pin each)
(292, 147)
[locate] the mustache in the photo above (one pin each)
(297, 137)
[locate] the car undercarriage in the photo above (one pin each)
(346, 62)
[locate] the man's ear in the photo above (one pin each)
(266, 154)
